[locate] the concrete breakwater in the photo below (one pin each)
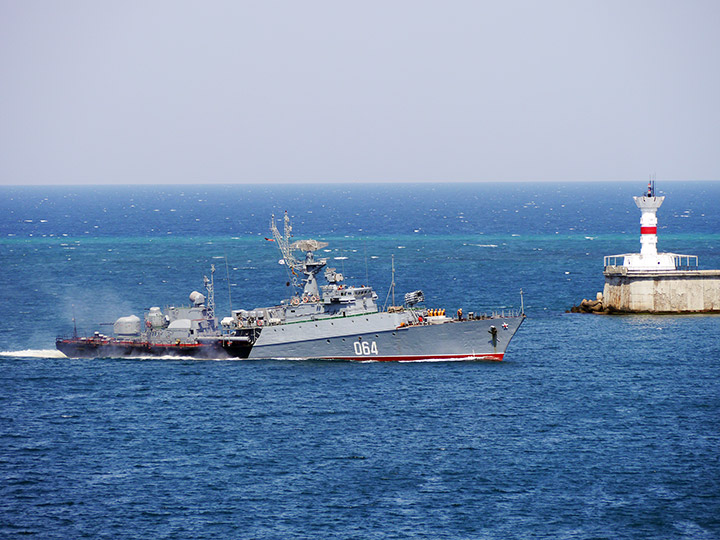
(680, 291)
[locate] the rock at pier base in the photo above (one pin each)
(591, 306)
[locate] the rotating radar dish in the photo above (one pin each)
(308, 245)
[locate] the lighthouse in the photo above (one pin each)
(648, 205)
(649, 260)
(653, 282)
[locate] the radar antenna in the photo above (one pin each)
(309, 266)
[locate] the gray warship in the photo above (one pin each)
(326, 321)
(335, 321)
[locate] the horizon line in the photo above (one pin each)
(341, 182)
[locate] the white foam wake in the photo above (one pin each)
(34, 353)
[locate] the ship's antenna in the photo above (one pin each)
(367, 279)
(210, 287)
(393, 278)
(392, 285)
(74, 323)
(227, 273)
(292, 265)
(653, 180)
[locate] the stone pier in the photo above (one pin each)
(679, 291)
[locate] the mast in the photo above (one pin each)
(75, 335)
(283, 242)
(310, 267)
(392, 285)
(227, 273)
(210, 287)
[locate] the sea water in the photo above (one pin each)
(592, 427)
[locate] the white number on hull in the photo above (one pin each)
(365, 348)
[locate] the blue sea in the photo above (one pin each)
(594, 427)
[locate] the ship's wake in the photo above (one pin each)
(34, 353)
(52, 353)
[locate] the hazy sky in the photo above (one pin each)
(281, 91)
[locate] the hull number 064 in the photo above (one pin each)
(365, 348)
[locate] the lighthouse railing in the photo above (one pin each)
(612, 262)
(685, 262)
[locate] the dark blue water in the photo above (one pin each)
(593, 427)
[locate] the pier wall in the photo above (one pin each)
(688, 291)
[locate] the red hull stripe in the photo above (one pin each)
(648, 230)
(496, 356)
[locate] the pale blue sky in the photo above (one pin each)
(158, 91)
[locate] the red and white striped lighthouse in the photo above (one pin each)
(649, 260)
(648, 205)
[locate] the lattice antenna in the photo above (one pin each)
(210, 287)
(283, 242)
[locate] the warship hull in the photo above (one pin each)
(371, 337)
(91, 348)
(376, 338)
